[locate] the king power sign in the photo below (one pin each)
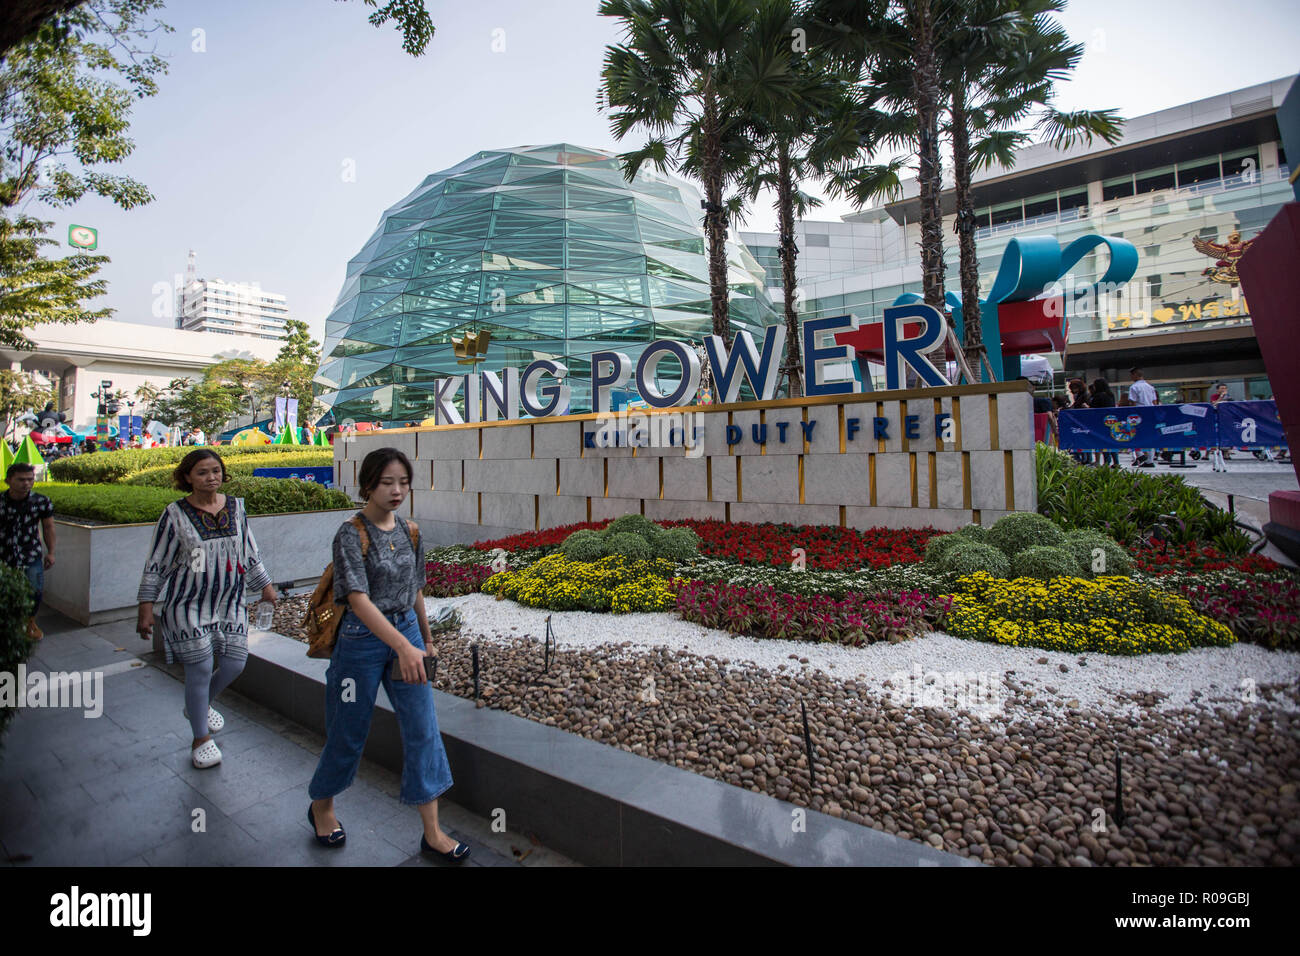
(540, 390)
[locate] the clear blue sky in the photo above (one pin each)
(246, 146)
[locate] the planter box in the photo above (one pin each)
(97, 574)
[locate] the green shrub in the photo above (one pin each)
(940, 545)
(236, 465)
(629, 546)
(584, 545)
(633, 524)
(1013, 533)
(103, 467)
(1083, 545)
(677, 544)
(131, 504)
(15, 607)
(967, 557)
(974, 532)
(1045, 563)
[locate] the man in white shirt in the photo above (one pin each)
(1141, 392)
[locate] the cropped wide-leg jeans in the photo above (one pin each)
(361, 662)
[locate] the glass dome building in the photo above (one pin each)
(547, 248)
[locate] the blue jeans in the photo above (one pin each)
(362, 657)
(36, 576)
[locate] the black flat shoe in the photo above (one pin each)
(336, 838)
(456, 854)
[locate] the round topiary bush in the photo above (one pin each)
(677, 544)
(1014, 533)
(1045, 563)
(967, 557)
(940, 545)
(974, 532)
(585, 545)
(633, 524)
(629, 545)
(1096, 553)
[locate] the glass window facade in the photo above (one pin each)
(551, 251)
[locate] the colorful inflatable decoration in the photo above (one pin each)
(288, 436)
(250, 437)
(321, 440)
(28, 453)
(1017, 318)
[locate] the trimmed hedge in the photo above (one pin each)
(128, 504)
(634, 538)
(967, 557)
(1083, 547)
(239, 465)
(103, 467)
(1045, 564)
(1014, 533)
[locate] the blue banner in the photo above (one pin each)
(1194, 425)
(322, 475)
(1137, 427)
(1250, 425)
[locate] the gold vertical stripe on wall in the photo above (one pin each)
(956, 421)
(934, 479)
(993, 422)
(965, 479)
(480, 507)
(643, 507)
(726, 512)
(730, 417)
(975, 516)
(902, 431)
(801, 501)
(803, 415)
(871, 476)
(880, 413)
(938, 410)
(589, 511)
(431, 476)
(605, 463)
(839, 410)
(537, 512)
(462, 475)
(911, 474)
(708, 478)
(762, 422)
(557, 476)
(1010, 479)
(844, 520)
(480, 444)
(739, 496)
(661, 478)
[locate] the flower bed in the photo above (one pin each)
(1198, 557)
(1108, 615)
(825, 547)
(855, 619)
(611, 584)
(1258, 608)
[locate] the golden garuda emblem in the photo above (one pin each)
(1228, 255)
(471, 349)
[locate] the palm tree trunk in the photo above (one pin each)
(973, 336)
(789, 253)
(925, 90)
(715, 229)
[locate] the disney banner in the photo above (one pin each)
(1250, 425)
(1194, 425)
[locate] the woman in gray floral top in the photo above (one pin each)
(381, 640)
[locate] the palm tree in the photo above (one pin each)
(1001, 67)
(675, 75)
(801, 124)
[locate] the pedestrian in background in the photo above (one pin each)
(24, 517)
(1100, 396)
(1141, 392)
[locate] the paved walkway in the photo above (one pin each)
(119, 789)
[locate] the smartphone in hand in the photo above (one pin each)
(430, 668)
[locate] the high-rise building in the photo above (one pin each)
(229, 308)
(1189, 187)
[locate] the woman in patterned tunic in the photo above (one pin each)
(203, 557)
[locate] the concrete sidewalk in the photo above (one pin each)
(120, 790)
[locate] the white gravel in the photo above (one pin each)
(964, 677)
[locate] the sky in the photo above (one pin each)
(284, 128)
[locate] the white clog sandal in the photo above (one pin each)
(215, 720)
(206, 755)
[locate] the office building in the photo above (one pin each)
(229, 308)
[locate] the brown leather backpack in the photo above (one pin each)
(324, 614)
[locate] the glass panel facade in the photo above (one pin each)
(549, 250)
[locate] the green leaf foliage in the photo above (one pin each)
(1045, 563)
(967, 557)
(1084, 547)
(15, 607)
(237, 466)
(109, 466)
